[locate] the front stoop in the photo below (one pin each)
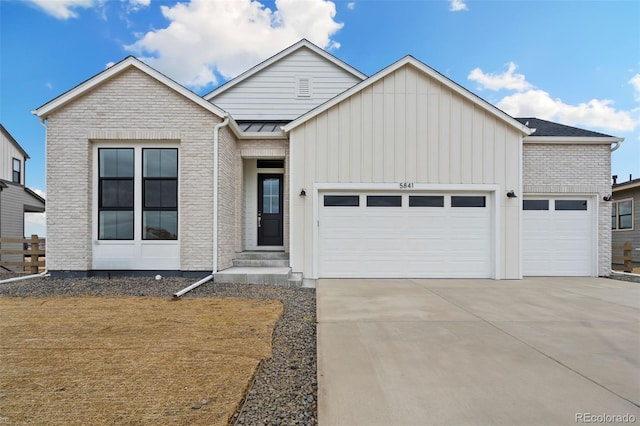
(254, 267)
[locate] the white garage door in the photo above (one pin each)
(368, 235)
(557, 237)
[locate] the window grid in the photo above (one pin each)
(271, 196)
(17, 169)
(160, 194)
(622, 215)
(115, 193)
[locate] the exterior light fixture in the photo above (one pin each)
(511, 194)
(303, 193)
(607, 198)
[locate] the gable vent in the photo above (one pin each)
(304, 87)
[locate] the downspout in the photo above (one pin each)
(46, 268)
(214, 267)
(613, 148)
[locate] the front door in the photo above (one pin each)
(270, 209)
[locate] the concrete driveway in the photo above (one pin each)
(540, 351)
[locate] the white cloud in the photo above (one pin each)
(36, 223)
(61, 9)
(635, 83)
(40, 192)
(457, 5)
(136, 5)
(529, 101)
(228, 37)
(507, 80)
(598, 113)
(351, 5)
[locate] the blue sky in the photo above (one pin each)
(573, 62)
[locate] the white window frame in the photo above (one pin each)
(136, 254)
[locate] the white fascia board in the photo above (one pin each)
(605, 140)
(275, 58)
(116, 69)
(254, 135)
(624, 187)
(425, 69)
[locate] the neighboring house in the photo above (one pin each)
(15, 198)
(401, 174)
(625, 221)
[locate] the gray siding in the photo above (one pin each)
(271, 94)
(619, 237)
(13, 200)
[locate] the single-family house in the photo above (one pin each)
(404, 173)
(625, 221)
(15, 198)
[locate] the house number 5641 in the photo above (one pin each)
(406, 185)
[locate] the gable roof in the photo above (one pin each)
(410, 60)
(278, 56)
(544, 131)
(633, 183)
(125, 64)
(6, 133)
(544, 128)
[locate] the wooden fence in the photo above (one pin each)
(626, 257)
(30, 250)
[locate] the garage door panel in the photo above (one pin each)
(397, 242)
(558, 242)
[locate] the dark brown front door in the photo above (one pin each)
(270, 209)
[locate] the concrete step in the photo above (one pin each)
(261, 262)
(278, 276)
(262, 255)
(295, 279)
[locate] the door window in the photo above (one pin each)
(271, 196)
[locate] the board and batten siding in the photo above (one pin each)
(8, 151)
(406, 127)
(272, 93)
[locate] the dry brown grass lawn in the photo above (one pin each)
(91, 360)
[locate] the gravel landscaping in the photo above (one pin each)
(284, 391)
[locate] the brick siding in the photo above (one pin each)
(131, 107)
(573, 169)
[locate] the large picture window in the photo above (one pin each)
(115, 193)
(622, 215)
(160, 194)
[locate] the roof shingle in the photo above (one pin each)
(549, 128)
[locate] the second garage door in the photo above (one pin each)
(370, 235)
(557, 237)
